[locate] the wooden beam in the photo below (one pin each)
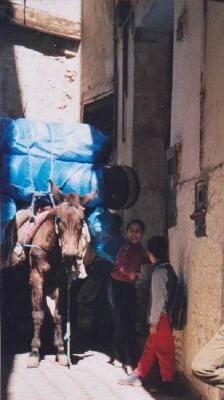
(40, 20)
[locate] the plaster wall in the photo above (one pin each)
(196, 62)
(201, 261)
(37, 79)
(147, 112)
(97, 49)
(187, 68)
(151, 126)
(213, 137)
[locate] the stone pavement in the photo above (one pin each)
(91, 378)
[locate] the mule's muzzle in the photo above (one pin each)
(71, 266)
(69, 263)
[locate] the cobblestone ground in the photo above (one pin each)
(91, 378)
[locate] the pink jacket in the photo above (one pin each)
(128, 263)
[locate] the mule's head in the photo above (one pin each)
(72, 229)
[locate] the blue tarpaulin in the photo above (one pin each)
(23, 175)
(8, 212)
(68, 142)
(33, 152)
(106, 237)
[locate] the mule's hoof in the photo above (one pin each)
(62, 359)
(33, 360)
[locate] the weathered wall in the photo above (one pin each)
(213, 137)
(151, 124)
(97, 49)
(37, 79)
(186, 91)
(147, 110)
(197, 125)
(125, 102)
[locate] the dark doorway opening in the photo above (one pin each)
(100, 113)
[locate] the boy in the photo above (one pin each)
(160, 343)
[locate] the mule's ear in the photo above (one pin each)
(88, 197)
(58, 195)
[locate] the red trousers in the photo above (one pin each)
(159, 346)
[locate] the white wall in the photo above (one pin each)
(198, 127)
(37, 79)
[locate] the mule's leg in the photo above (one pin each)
(58, 337)
(38, 316)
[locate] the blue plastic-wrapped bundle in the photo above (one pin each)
(17, 176)
(8, 212)
(101, 222)
(22, 176)
(72, 155)
(73, 177)
(105, 233)
(68, 142)
(69, 154)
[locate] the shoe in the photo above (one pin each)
(128, 369)
(116, 363)
(132, 380)
(168, 388)
(154, 389)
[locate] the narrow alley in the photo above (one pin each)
(92, 378)
(112, 198)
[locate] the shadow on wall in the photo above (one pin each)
(11, 106)
(10, 98)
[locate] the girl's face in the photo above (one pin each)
(134, 233)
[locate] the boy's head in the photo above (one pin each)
(135, 231)
(157, 247)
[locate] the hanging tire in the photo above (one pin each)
(122, 187)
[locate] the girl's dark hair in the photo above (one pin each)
(136, 222)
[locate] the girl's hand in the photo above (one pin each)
(133, 275)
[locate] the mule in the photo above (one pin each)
(58, 247)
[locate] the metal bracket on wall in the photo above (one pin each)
(199, 215)
(181, 26)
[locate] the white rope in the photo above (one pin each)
(67, 336)
(51, 160)
(35, 246)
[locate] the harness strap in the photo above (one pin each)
(67, 336)
(33, 246)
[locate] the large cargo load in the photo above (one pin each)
(73, 157)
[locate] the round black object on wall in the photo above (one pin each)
(122, 187)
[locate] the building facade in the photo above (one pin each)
(168, 117)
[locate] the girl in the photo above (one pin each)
(122, 294)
